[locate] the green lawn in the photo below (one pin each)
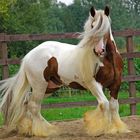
(78, 97)
(65, 113)
(1, 119)
(77, 112)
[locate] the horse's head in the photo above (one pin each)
(97, 28)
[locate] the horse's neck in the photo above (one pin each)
(87, 42)
(111, 48)
(87, 59)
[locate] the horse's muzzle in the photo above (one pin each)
(100, 53)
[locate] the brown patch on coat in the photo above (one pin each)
(51, 90)
(53, 79)
(52, 87)
(51, 75)
(76, 85)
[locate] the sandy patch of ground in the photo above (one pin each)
(74, 130)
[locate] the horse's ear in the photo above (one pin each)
(92, 11)
(106, 11)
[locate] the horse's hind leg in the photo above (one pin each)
(32, 123)
(117, 125)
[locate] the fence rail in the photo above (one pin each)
(87, 103)
(131, 78)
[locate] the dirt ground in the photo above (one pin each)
(74, 130)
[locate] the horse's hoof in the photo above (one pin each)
(96, 122)
(118, 126)
(37, 127)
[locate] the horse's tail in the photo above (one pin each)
(14, 92)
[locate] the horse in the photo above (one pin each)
(91, 64)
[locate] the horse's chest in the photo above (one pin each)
(105, 75)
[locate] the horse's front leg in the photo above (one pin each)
(117, 125)
(98, 121)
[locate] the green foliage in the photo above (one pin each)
(4, 12)
(13, 69)
(20, 49)
(4, 6)
(137, 67)
(26, 16)
(1, 119)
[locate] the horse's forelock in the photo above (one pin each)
(103, 25)
(100, 28)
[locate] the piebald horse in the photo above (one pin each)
(91, 64)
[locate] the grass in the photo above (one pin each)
(1, 119)
(77, 112)
(77, 97)
(65, 113)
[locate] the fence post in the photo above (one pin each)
(131, 71)
(4, 57)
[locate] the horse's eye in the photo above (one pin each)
(93, 23)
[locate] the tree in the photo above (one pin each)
(133, 7)
(24, 16)
(4, 12)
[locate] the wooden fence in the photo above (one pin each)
(131, 78)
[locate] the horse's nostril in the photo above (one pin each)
(103, 50)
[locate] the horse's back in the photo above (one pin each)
(37, 59)
(50, 48)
